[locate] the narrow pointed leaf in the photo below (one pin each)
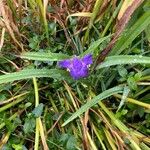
(93, 102)
(41, 56)
(30, 73)
(127, 38)
(124, 59)
(95, 45)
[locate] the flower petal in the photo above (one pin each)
(78, 67)
(87, 59)
(76, 64)
(65, 63)
(74, 74)
(77, 74)
(84, 72)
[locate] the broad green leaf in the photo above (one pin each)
(147, 31)
(132, 83)
(138, 76)
(30, 73)
(71, 143)
(124, 59)
(94, 101)
(41, 56)
(68, 141)
(29, 125)
(19, 147)
(122, 71)
(38, 110)
(131, 33)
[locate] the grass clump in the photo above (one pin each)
(43, 107)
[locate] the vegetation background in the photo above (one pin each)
(43, 107)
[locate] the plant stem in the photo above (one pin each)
(96, 9)
(111, 19)
(12, 103)
(122, 127)
(133, 101)
(43, 16)
(36, 146)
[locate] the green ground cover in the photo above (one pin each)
(75, 75)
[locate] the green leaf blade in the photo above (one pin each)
(38, 110)
(41, 56)
(94, 101)
(95, 45)
(124, 59)
(30, 73)
(127, 38)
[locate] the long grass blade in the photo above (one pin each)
(94, 101)
(30, 73)
(124, 59)
(40, 56)
(127, 38)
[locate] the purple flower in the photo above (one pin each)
(77, 67)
